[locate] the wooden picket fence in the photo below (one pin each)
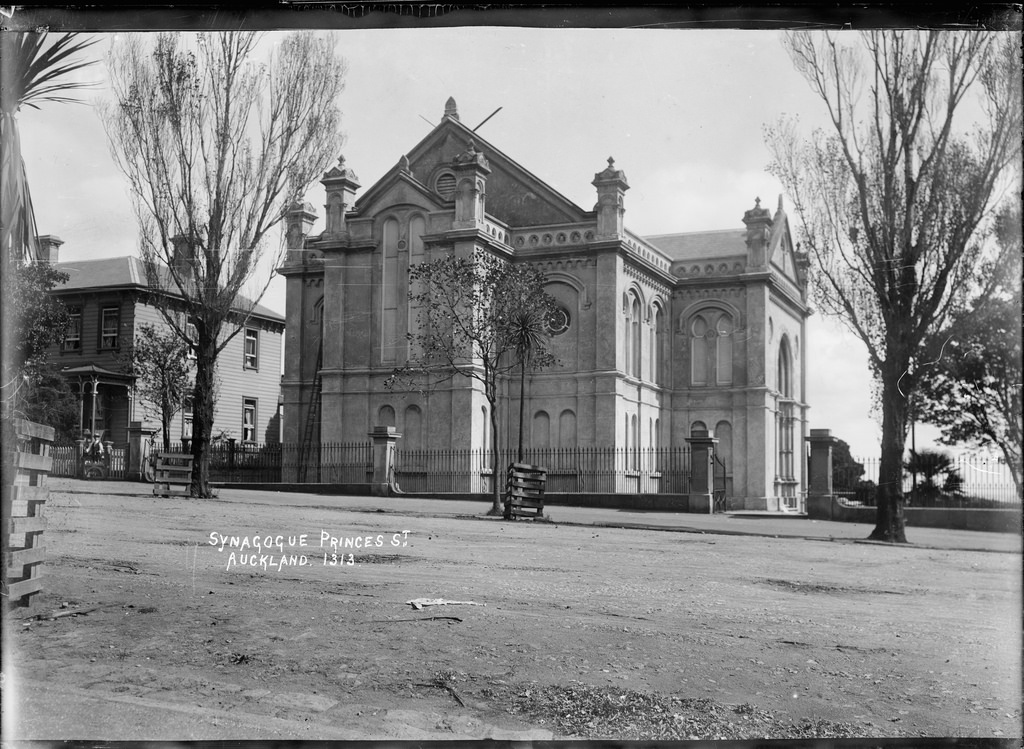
(27, 464)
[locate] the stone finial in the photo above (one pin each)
(611, 174)
(403, 164)
(341, 172)
(471, 156)
(757, 214)
(450, 108)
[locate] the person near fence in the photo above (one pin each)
(95, 452)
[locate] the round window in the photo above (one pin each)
(445, 185)
(558, 321)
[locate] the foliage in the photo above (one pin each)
(970, 385)
(217, 147)
(30, 308)
(477, 317)
(846, 471)
(894, 199)
(159, 360)
(929, 465)
(48, 398)
(32, 72)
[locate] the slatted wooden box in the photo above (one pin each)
(27, 463)
(524, 491)
(173, 474)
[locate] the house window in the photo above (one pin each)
(73, 336)
(193, 335)
(186, 419)
(110, 321)
(249, 420)
(252, 348)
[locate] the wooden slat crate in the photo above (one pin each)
(27, 463)
(524, 491)
(173, 474)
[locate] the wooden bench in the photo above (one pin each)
(27, 463)
(173, 474)
(524, 491)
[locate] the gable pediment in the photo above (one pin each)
(396, 188)
(515, 196)
(782, 256)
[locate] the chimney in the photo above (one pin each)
(183, 254)
(49, 248)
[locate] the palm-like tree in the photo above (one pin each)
(528, 332)
(31, 72)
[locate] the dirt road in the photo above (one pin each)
(160, 633)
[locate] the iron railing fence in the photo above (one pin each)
(258, 463)
(984, 482)
(594, 470)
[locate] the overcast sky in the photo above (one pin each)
(681, 111)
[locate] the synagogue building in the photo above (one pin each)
(657, 337)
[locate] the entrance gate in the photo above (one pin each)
(718, 466)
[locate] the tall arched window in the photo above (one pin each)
(541, 436)
(633, 347)
(660, 345)
(784, 417)
(389, 335)
(635, 440)
(417, 228)
(699, 351)
(412, 430)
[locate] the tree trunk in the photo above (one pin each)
(202, 412)
(522, 407)
(889, 519)
(496, 508)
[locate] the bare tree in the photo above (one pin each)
(159, 360)
(897, 195)
(479, 318)
(216, 146)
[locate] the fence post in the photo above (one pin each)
(819, 490)
(384, 439)
(702, 475)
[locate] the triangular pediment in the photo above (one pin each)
(781, 252)
(397, 187)
(515, 196)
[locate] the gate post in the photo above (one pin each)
(384, 439)
(702, 473)
(819, 490)
(133, 461)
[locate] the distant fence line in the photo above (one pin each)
(596, 470)
(986, 482)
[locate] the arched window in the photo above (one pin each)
(659, 359)
(784, 378)
(723, 346)
(635, 442)
(634, 322)
(386, 416)
(698, 426)
(412, 431)
(784, 418)
(541, 436)
(699, 351)
(711, 348)
(417, 228)
(567, 429)
(389, 334)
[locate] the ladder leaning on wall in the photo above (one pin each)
(312, 421)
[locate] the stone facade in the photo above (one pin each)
(664, 335)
